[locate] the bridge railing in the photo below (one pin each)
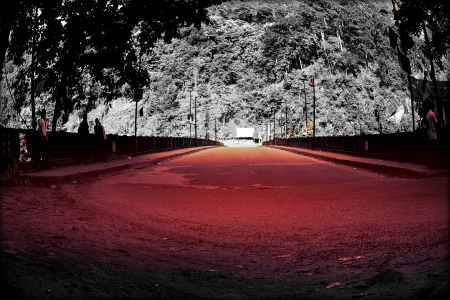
(406, 146)
(62, 145)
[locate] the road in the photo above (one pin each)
(245, 212)
(262, 212)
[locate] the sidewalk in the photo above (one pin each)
(388, 167)
(85, 171)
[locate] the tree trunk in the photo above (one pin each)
(7, 16)
(56, 114)
(300, 61)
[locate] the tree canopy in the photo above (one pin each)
(412, 15)
(101, 40)
(246, 66)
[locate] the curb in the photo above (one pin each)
(378, 168)
(48, 180)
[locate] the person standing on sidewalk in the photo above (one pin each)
(43, 139)
(431, 124)
(83, 132)
(83, 128)
(100, 137)
(432, 137)
(207, 138)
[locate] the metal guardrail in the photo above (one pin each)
(63, 145)
(406, 146)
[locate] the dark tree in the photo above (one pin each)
(412, 15)
(102, 38)
(417, 16)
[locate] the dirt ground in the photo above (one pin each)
(55, 244)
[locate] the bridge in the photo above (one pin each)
(329, 218)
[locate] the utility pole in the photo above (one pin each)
(314, 112)
(274, 132)
(138, 94)
(306, 108)
(215, 129)
(311, 83)
(195, 118)
(190, 117)
(281, 122)
(135, 128)
(286, 127)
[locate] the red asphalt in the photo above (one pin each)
(262, 212)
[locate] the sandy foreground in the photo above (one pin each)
(57, 246)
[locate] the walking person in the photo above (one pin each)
(83, 132)
(207, 138)
(83, 128)
(431, 124)
(100, 137)
(43, 138)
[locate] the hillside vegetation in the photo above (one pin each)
(248, 67)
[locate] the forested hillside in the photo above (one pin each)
(250, 64)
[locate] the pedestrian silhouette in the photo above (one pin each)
(42, 153)
(207, 138)
(100, 138)
(42, 129)
(431, 124)
(83, 140)
(83, 128)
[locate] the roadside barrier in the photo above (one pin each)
(25, 145)
(406, 146)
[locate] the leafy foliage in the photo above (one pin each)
(412, 15)
(71, 40)
(249, 64)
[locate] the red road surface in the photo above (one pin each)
(260, 212)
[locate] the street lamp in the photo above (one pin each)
(138, 93)
(274, 131)
(306, 110)
(286, 123)
(280, 122)
(311, 83)
(195, 118)
(190, 117)
(215, 129)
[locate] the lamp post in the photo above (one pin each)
(135, 127)
(281, 123)
(136, 98)
(195, 119)
(274, 114)
(286, 122)
(190, 117)
(311, 83)
(306, 108)
(215, 129)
